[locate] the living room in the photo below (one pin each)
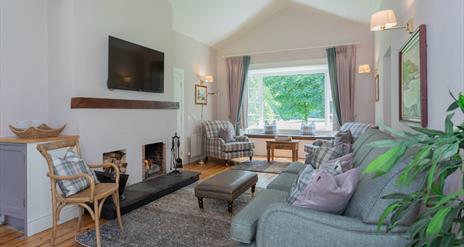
(223, 68)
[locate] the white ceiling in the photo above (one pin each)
(211, 21)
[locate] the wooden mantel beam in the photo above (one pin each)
(102, 103)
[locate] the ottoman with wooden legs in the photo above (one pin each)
(226, 186)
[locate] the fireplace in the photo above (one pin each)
(118, 158)
(154, 160)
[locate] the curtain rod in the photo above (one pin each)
(291, 49)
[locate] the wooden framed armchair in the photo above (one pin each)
(95, 194)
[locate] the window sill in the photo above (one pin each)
(326, 135)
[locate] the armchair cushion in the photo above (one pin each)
(70, 165)
(227, 135)
(238, 146)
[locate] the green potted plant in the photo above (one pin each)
(436, 154)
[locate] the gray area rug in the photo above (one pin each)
(173, 220)
(275, 167)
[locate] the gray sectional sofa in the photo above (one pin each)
(269, 221)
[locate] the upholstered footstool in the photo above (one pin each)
(226, 186)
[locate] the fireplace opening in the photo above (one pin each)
(118, 158)
(154, 160)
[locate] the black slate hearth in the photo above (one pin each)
(142, 193)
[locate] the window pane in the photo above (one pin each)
(254, 112)
(295, 97)
(290, 96)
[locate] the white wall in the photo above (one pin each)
(79, 33)
(445, 38)
(196, 59)
(299, 26)
(52, 50)
(23, 62)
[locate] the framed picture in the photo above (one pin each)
(413, 78)
(201, 94)
(377, 88)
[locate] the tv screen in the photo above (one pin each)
(134, 67)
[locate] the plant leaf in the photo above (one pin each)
(386, 213)
(385, 162)
(453, 106)
(385, 143)
(448, 198)
(396, 196)
(460, 102)
(405, 177)
(437, 221)
(449, 124)
(429, 132)
(395, 132)
(450, 151)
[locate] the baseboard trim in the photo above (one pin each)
(45, 222)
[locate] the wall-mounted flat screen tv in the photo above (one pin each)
(134, 67)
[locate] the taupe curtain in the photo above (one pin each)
(346, 73)
(237, 70)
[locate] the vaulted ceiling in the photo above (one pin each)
(211, 21)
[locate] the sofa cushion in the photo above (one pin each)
(283, 182)
(244, 223)
(343, 137)
(327, 192)
(238, 146)
(318, 155)
(300, 184)
(345, 163)
(356, 128)
(367, 202)
(362, 151)
(294, 168)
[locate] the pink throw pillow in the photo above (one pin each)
(329, 193)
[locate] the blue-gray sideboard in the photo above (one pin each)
(24, 186)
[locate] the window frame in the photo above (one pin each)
(260, 73)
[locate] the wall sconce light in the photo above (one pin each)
(207, 79)
(386, 20)
(364, 69)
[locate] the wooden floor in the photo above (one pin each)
(67, 231)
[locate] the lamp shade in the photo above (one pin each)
(209, 78)
(383, 19)
(364, 69)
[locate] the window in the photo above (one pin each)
(290, 96)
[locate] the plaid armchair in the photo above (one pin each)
(216, 147)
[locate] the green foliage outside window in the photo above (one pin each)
(294, 97)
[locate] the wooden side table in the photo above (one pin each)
(287, 145)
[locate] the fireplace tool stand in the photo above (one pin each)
(176, 161)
